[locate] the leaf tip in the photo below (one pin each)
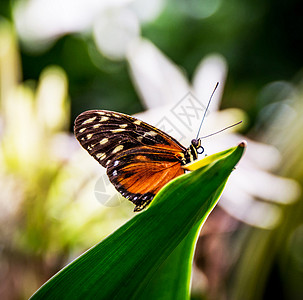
(243, 144)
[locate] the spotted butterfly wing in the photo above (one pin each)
(140, 159)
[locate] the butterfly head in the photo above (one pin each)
(191, 153)
(196, 143)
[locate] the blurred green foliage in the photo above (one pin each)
(261, 40)
(42, 184)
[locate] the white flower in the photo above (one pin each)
(173, 105)
(114, 24)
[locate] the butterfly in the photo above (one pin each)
(139, 158)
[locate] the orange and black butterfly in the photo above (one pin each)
(140, 159)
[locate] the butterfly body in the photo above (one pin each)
(140, 159)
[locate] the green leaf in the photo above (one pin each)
(123, 265)
(172, 279)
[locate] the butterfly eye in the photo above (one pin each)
(200, 150)
(195, 143)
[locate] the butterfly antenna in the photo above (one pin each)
(207, 109)
(222, 130)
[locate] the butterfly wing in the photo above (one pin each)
(139, 175)
(140, 159)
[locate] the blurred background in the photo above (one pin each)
(60, 58)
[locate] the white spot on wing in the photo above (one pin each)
(97, 125)
(123, 125)
(115, 173)
(151, 133)
(100, 156)
(103, 141)
(116, 163)
(117, 149)
(137, 122)
(89, 136)
(118, 130)
(89, 120)
(82, 129)
(103, 119)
